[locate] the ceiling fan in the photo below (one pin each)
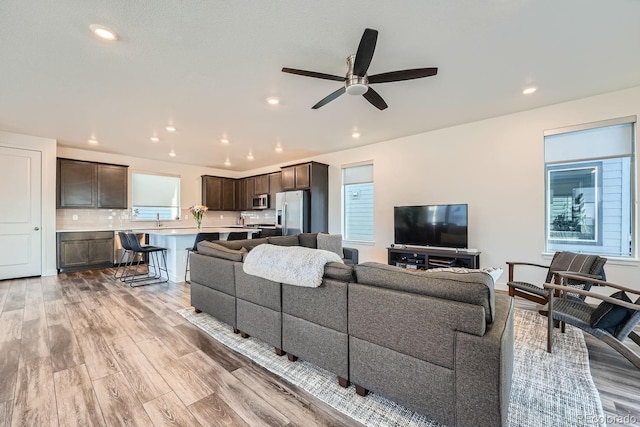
(356, 81)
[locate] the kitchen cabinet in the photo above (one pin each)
(275, 186)
(212, 192)
(91, 185)
(218, 193)
(261, 184)
(249, 192)
(313, 177)
(240, 199)
(84, 250)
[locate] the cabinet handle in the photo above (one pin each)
(36, 228)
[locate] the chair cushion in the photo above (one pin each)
(609, 316)
(219, 251)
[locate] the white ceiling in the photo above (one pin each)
(208, 66)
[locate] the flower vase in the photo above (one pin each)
(198, 223)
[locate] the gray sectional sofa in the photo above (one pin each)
(440, 343)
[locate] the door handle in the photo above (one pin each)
(36, 229)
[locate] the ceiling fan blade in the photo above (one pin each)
(329, 98)
(396, 76)
(374, 98)
(365, 52)
(313, 74)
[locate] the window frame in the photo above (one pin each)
(343, 201)
(177, 210)
(596, 161)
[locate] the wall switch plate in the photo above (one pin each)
(74, 217)
(221, 216)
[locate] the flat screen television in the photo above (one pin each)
(431, 225)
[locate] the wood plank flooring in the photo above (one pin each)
(83, 349)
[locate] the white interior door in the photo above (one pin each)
(20, 213)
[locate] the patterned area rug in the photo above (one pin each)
(548, 389)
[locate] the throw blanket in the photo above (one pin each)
(293, 265)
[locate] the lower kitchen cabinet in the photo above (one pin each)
(85, 250)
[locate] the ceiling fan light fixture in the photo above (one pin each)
(357, 89)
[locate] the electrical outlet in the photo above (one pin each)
(221, 216)
(74, 217)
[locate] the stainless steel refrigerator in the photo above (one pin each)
(292, 212)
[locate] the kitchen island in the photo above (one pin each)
(177, 240)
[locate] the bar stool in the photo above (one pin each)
(237, 235)
(152, 253)
(209, 237)
(127, 253)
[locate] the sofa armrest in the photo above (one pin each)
(350, 255)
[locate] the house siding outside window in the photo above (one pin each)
(357, 197)
(155, 196)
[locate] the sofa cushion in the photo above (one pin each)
(284, 240)
(308, 240)
(338, 271)
(219, 251)
(475, 287)
(330, 242)
(248, 244)
(609, 316)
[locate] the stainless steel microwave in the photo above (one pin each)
(261, 201)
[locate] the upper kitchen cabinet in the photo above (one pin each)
(219, 194)
(261, 185)
(90, 185)
(275, 187)
(300, 177)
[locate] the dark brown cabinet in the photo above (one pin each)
(219, 193)
(275, 187)
(261, 184)
(240, 202)
(288, 178)
(90, 185)
(249, 191)
(303, 176)
(82, 250)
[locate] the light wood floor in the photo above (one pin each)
(83, 349)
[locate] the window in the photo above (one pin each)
(589, 188)
(155, 196)
(357, 193)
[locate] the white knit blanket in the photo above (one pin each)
(293, 265)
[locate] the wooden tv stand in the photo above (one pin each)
(425, 258)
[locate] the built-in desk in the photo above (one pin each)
(176, 240)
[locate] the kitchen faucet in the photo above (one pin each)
(158, 223)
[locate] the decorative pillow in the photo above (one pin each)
(609, 316)
(330, 242)
(308, 240)
(284, 240)
(219, 251)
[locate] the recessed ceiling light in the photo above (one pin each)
(227, 162)
(279, 148)
(224, 140)
(92, 141)
(170, 128)
(529, 90)
(250, 156)
(155, 139)
(272, 100)
(103, 32)
(355, 135)
(172, 153)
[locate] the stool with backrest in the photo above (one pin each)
(155, 255)
(587, 266)
(237, 235)
(200, 237)
(127, 255)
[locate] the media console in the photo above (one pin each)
(425, 258)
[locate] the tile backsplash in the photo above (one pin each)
(70, 219)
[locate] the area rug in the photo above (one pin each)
(548, 389)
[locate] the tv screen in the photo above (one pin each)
(431, 225)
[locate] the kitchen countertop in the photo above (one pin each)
(182, 231)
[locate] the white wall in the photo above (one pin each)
(494, 165)
(47, 147)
